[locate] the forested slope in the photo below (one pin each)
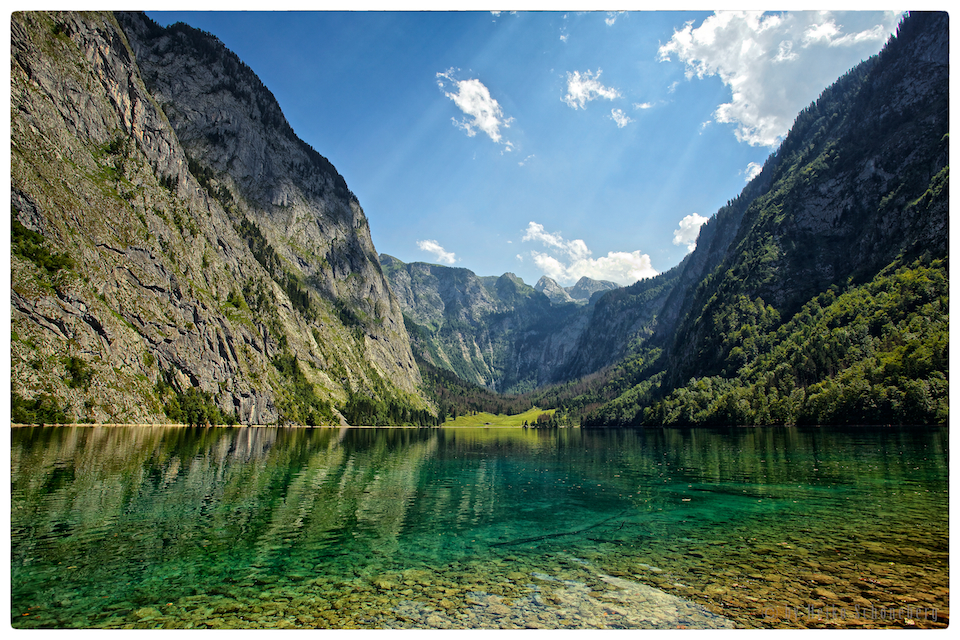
(853, 226)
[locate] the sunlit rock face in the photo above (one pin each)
(194, 238)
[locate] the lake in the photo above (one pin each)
(263, 527)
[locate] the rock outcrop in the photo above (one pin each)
(586, 288)
(552, 289)
(582, 292)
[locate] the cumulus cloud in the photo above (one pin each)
(622, 119)
(775, 64)
(482, 111)
(441, 255)
(566, 261)
(583, 88)
(537, 233)
(689, 231)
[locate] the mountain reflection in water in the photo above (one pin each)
(261, 527)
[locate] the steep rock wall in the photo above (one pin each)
(132, 264)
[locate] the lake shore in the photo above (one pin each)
(16, 425)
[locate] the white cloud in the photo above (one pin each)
(526, 160)
(753, 170)
(643, 105)
(482, 110)
(566, 261)
(622, 119)
(536, 232)
(581, 89)
(785, 52)
(689, 231)
(442, 255)
(612, 17)
(775, 64)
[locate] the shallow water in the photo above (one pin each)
(150, 527)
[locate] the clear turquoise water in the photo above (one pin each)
(148, 527)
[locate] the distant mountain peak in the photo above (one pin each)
(585, 287)
(549, 287)
(579, 293)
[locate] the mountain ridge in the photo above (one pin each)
(581, 292)
(857, 190)
(495, 331)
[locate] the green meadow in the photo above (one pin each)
(482, 418)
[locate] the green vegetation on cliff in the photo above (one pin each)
(876, 354)
(830, 305)
(152, 280)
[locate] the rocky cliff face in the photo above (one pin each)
(552, 289)
(172, 233)
(586, 288)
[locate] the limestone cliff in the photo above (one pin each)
(173, 239)
(582, 292)
(552, 289)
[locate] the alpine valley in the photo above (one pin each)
(179, 255)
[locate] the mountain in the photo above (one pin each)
(585, 289)
(495, 331)
(504, 335)
(177, 252)
(634, 320)
(552, 289)
(845, 231)
(582, 292)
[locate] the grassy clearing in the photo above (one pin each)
(481, 419)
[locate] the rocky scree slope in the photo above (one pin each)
(176, 249)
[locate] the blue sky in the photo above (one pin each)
(545, 142)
